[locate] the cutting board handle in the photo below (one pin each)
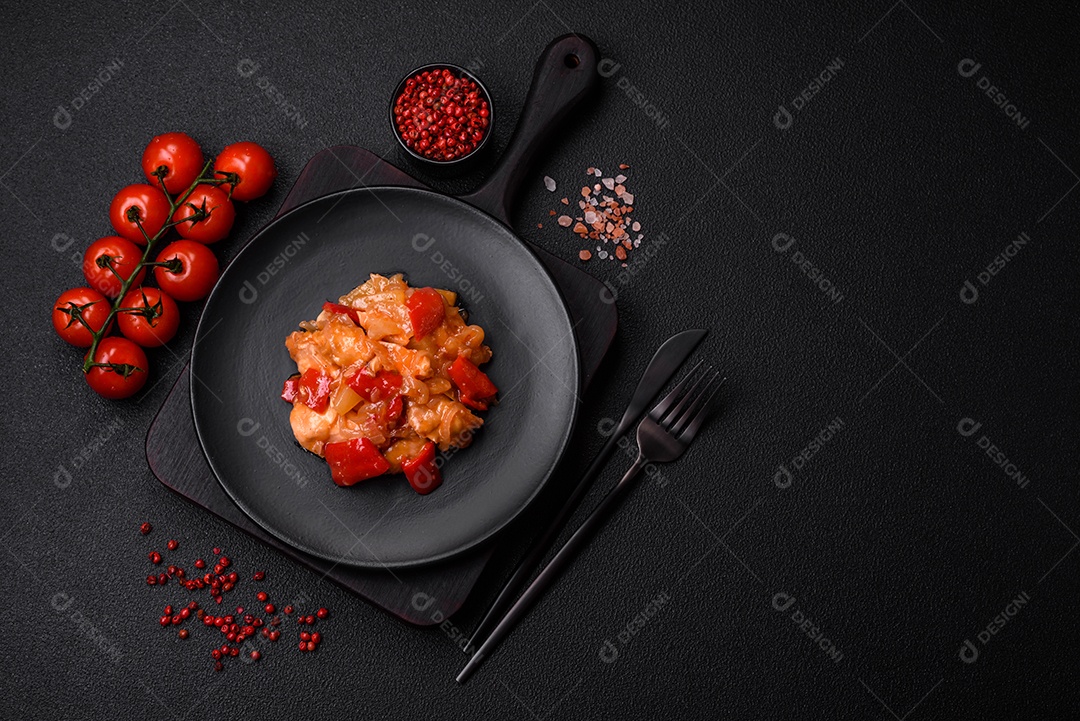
(565, 74)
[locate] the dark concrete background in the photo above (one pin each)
(900, 538)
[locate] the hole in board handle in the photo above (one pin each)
(572, 61)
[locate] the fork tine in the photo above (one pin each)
(661, 408)
(692, 403)
(687, 397)
(703, 412)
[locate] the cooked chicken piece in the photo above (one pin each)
(444, 421)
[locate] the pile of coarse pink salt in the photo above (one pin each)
(603, 216)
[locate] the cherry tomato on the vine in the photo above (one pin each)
(148, 202)
(177, 156)
(156, 320)
(197, 274)
(217, 213)
(125, 373)
(93, 308)
(123, 256)
(251, 164)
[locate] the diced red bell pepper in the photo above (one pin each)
(343, 310)
(367, 384)
(475, 386)
(354, 461)
(393, 412)
(423, 473)
(472, 403)
(426, 311)
(314, 390)
(291, 389)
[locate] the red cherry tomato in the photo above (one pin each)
(123, 256)
(218, 213)
(125, 373)
(197, 274)
(155, 322)
(177, 157)
(426, 311)
(252, 165)
(93, 309)
(146, 201)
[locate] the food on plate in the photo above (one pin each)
(388, 376)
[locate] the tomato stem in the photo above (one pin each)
(106, 261)
(173, 265)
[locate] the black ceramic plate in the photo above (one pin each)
(319, 251)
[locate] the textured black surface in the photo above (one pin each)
(900, 538)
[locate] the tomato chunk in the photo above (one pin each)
(343, 310)
(423, 473)
(354, 461)
(393, 413)
(375, 386)
(475, 386)
(426, 311)
(291, 389)
(314, 390)
(472, 403)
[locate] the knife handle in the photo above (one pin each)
(552, 570)
(542, 543)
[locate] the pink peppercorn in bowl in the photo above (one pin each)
(442, 116)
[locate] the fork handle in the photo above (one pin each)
(554, 567)
(542, 544)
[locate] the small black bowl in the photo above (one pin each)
(457, 165)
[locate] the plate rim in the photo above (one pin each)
(564, 441)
